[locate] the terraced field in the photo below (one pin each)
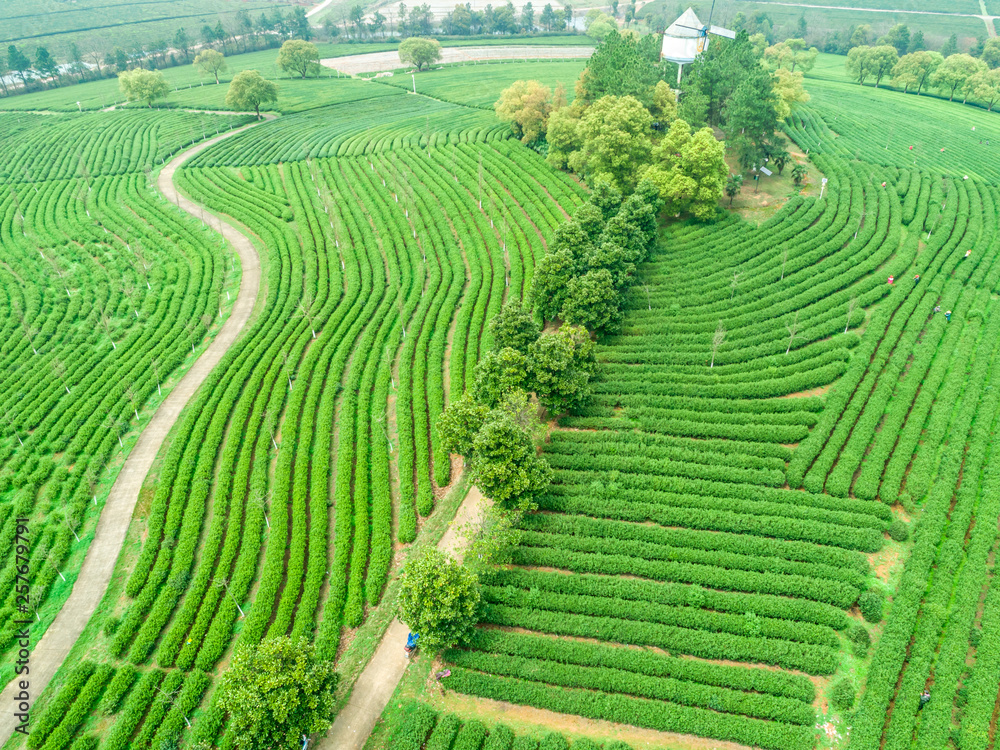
(310, 455)
(721, 504)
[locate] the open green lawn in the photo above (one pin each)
(481, 85)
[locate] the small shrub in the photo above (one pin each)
(842, 695)
(870, 603)
(899, 531)
(111, 625)
(553, 741)
(858, 635)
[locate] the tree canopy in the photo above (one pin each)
(438, 599)
(277, 691)
(249, 90)
(615, 138)
(142, 85)
(419, 51)
(690, 170)
(210, 62)
(505, 465)
(299, 57)
(526, 106)
(623, 65)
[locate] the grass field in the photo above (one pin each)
(105, 24)
(481, 85)
(375, 314)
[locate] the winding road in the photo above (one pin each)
(99, 563)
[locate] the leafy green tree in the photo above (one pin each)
(299, 24)
(562, 364)
(277, 691)
(985, 87)
(548, 17)
(881, 60)
(618, 262)
(991, 52)
(18, 62)
(606, 197)
(141, 85)
(499, 372)
(899, 37)
(528, 17)
(917, 42)
(505, 465)
(438, 599)
(4, 70)
(623, 65)
(799, 172)
(752, 115)
(526, 105)
(492, 541)
(915, 69)
(592, 301)
(210, 62)
(514, 327)
(563, 135)
(45, 64)
(419, 51)
(690, 171)
(249, 90)
(733, 186)
(789, 89)
(183, 43)
(298, 56)
(459, 423)
(551, 277)
(615, 134)
(713, 79)
(861, 36)
(859, 63)
(950, 47)
(955, 71)
(589, 219)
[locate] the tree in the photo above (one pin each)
(985, 87)
(562, 364)
(528, 17)
(751, 117)
(859, 63)
(438, 599)
(881, 60)
(861, 36)
(801, 27)
(955, 71)
(913, 70)
(991, 52)
(526, 106)
(614, 132)
(498, 373)
(419, 51)
(563, 135)
(18, 62)
(183, 43)
(4, 70)
(459, 424)
(899, 37)
(622, 65)
(717, 340)
(790, 90)
(548, 17)
(143, 85)
(299, 24)
(298, 56)
(950, 47)
(690, 171)
(592, 301)
(916, 42)
(210, 62)
(799, 172)
(249, 90)
(733, 186)
(277, 691)
(505, 465)
(45, 64)
(514, 327)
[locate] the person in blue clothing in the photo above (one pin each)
(411, 644)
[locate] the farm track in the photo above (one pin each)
(102, 555)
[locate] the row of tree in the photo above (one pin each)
(88, 61)
(972, 78)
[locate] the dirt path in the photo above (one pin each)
(986, 18)
(376, 684)
(99, 563)
(379, 61)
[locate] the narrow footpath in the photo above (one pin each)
(378, 681)
(102, 555)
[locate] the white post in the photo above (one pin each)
(414, 77)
